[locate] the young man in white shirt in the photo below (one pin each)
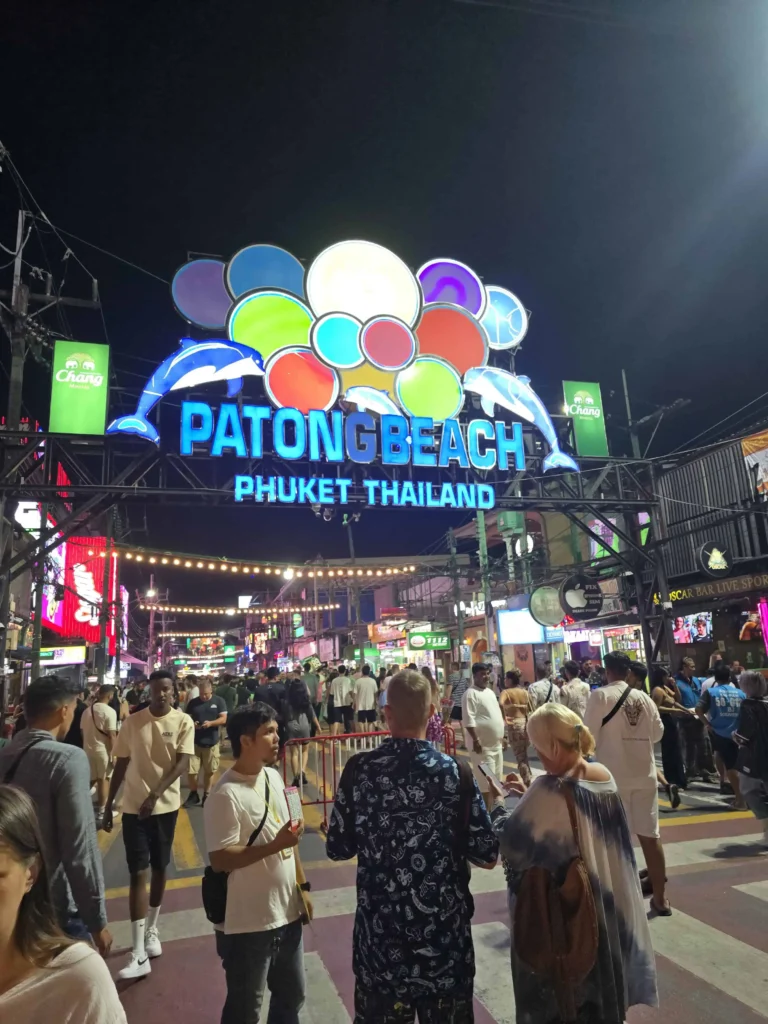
(365, 700)
(99, 728)
(342, 690)
(260, 941)
(153, 749)
(483, 720)
(574, 692)
(544, 691)
(626, 724)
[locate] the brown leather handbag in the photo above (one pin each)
(555, 926)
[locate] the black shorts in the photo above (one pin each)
(726, 748)
(366, 716)
(335, 716)
(349, 718)
(148, 841)
(456, 713)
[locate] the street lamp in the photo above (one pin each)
(151, 592)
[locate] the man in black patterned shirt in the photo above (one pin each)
(412, 818)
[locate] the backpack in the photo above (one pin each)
(555, 926)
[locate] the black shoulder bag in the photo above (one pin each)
(9, 775)
(549, 695)
(617, 706)
(466, 792)
(214, 885)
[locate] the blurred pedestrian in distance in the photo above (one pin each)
(99, 725)
(435, 730)
(514, 707)
(751, 736)
(543, 691)
(483, 720)
(208, 713)
(57, 778)
(228, 692)
(586, 669)
(365, 700)
(697, 750)
(626, 725)
(540, 833)
(45, 976)
(424, 809)
(719, 709)
(575, 691)
(299, 724)
(664, 694)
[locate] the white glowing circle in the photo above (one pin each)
(364, 280)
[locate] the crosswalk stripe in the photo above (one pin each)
(738, 970)
(186, 852)
(699, 851)
(705, 819)
(756, 889)
(493, 974)
(323, 1005)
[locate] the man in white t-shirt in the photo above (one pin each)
(365, 700)
(153, 749)
(544, 691)
(260, 941)
(626, 724)
(342, 691)
(99, 728)
(483, 720)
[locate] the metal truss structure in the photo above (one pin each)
(107, 471)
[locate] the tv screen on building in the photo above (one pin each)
(692, 629)
(519, 627)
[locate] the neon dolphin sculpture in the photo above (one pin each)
(193, 364)
(498, 387)
(369, 399)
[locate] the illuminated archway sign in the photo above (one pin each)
(403, 349)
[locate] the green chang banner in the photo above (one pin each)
(429, 641)
(79, 388)
(584, 404)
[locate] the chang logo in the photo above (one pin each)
(584, 405)
(80, 371)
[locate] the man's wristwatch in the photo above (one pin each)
(306, 887)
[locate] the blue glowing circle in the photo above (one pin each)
(198, 293)
(505, 318)
(335, 339)
(264, 266)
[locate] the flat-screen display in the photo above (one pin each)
(750, 627)
(692, 629)
(519, 627)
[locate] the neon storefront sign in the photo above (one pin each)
(360, 358)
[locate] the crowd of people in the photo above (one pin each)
(414, 817)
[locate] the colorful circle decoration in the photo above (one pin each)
(269, 321)
(452, 282)
(365, 280)
(430, 387)
(452, 334)
(505, 318)
(199, 293)
(388, 343)
(336, 340)
(264, 266)
(296, 379)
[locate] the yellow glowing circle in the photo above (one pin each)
(364, 280)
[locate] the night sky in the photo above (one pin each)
(613, 177)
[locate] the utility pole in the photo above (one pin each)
(632, 425)
(347, 521)
(456, 594)
(482, 545)
(106, 604)
(656, 416)
(39, 581)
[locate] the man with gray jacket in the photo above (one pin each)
(57, 778)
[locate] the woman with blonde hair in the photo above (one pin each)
(44, 975)
(541, 833)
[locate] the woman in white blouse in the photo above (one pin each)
(44, 976)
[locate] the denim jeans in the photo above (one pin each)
(73, 927)
(254, 960)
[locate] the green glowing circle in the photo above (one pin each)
(269, 321)
(430, 387)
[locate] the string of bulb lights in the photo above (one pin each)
(287, 572)
(256, 610)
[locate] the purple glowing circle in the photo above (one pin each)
(453, 282)
(200, 295)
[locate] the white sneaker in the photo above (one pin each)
(135, 968)
(152, 943)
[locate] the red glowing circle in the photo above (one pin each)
(388, 343)
(296, 379)
(452, 334)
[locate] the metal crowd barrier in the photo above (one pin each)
(327, 757)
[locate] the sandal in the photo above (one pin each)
(661, 912)
(673, 795)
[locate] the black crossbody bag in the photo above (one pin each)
(9, 775)
(617, 706)
(214, 885)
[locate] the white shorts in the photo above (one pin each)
(642, 809)
(494, 757)
(101, 765)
